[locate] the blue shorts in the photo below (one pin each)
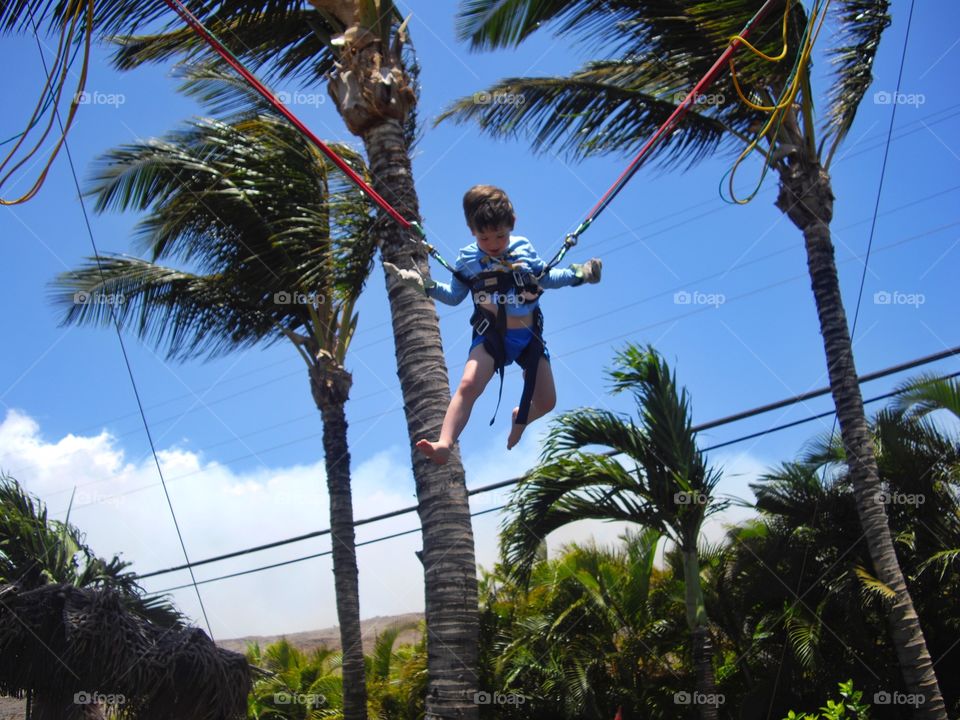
(514, 343)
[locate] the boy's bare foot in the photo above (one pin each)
(435, 451)
(516, 431)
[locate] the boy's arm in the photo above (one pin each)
(451, 293)
(574, 275)
(557, 278)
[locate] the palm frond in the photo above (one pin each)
(278, 40)
(861, 25)
(490, 24)
(585, 486)
(606, 107)
(574, 431)
(926, 393)
(793, 490)
(872, 587)
(944, 559)
(186, 313)
(110, 16)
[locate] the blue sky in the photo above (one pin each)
(239, 437)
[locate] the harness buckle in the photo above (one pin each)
(518, 278)
(481, 327)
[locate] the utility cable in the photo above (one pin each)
(116, 324)
(504, 483)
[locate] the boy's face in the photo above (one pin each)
(493, 241)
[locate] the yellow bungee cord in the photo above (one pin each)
(53, 88)
(776, 111)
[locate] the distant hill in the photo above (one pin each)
(330, 637)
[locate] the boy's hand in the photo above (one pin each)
(411, 278)
(589, 272)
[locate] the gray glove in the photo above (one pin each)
(589, 272)
(411, 278)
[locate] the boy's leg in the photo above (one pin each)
(476, 375)
(543, 401)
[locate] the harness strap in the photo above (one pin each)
(529, 360)
(493, 329)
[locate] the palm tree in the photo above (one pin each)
(282, 246)
(581, 638)
(669, 489)
(77, 634)
(360, 45)
(384, 666)
(659, 48)
(36, 550)
(297, 685)
(804, 565)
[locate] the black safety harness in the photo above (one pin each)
(493, 287)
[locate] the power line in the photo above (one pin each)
(192, 395)
(224, 398)
(504, 483)
(633, 331)
(116, 324)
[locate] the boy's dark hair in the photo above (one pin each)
(487, 207)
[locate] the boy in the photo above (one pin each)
(503, 273)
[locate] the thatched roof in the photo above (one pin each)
(60, 640)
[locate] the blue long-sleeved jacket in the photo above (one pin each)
(520, 255)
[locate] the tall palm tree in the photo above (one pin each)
(658, 48)
(829, 600)
(281, 247)
(357, 48)
(78, 636)
(669, 488)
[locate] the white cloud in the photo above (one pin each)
(121, 507)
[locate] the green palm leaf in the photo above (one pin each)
(861, 25)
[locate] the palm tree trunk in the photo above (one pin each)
(448, 549)
(331, 388)
(702, 647)
(807, 198)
